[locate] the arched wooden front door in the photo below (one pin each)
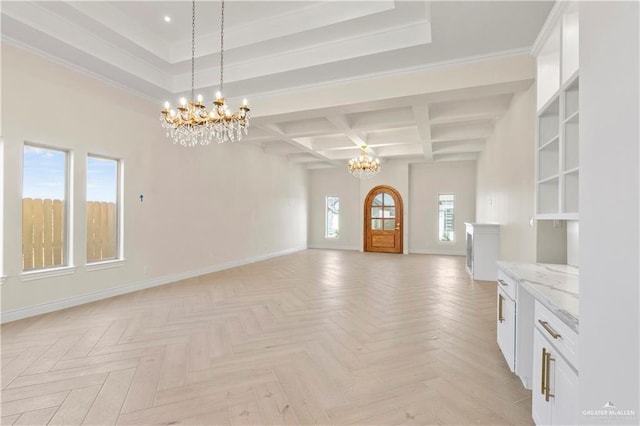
(383, 220)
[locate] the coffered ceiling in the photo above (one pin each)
(423, 81)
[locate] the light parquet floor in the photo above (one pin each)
(315, 337)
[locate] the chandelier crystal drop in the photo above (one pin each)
(193, 124)
(364, 166)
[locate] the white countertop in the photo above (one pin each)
(555, 286)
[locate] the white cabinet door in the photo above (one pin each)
(506, 320)
(555, 388)
(540, 408)
(565, 389)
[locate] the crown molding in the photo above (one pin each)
(549, 25)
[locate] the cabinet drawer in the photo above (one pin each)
(507, 284)
(558, 333)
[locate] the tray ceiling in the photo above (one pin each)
(277, 50)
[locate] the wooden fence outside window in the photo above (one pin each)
(44, 233)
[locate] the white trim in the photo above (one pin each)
(395, 72)
(549, 25)
(333, 247)
(440, 252)
(268, 93)
(107, 264)
(3, 278)
(47, 273)
(72, 66)
(43, 308)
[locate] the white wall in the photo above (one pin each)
(609, 198)
(324, 182)
(427, 181)
(204, 208)
(505, 187)
(419, 186)
(353, 193)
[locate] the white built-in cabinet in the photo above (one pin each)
(555, 395)
(483, 250)
(558, 115)
(506, 318)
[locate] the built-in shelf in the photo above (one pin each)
(554, 140)
(548, 160)
(552, 179)
(573, 118)
(548, 195)
(571, 194)
(558, 138)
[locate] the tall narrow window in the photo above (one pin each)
(332, 230)
(446, 230)
(102, 209)
(44, 208)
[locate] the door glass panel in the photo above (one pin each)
(377, 201)
(389, 212)
(388, 200)
(376, 224)
(376, 212)
(389, 224)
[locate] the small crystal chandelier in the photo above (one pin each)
(193, 124)
(364, 166)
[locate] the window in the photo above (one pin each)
(102, 209)
(383, 212)
(44, 208)
(332, 230)
(446, 230)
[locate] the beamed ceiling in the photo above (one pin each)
(422, 81)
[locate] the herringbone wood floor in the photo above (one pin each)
(315, 337)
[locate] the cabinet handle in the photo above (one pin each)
(500, 315)
(502, 283)
(544, 364)
(550, 330)
(547, 393)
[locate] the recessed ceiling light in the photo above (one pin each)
(167, 18)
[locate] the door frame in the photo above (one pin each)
(399, 215)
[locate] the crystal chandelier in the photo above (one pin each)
(364, 166)
(193, 124)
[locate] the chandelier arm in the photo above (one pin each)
(222, 48)
(193, 47)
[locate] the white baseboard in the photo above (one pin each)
(440, 252)
(333, 247)
(57, 305)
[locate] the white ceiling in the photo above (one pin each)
(300, 48)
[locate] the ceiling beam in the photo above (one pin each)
(421, 115)
(276, 132)
(340, 123)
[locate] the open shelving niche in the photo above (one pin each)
(557, 150)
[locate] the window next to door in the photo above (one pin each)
(332, 219)
(446, 228)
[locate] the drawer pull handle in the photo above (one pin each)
(500, 313)
(503, 284)
(550, 330)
